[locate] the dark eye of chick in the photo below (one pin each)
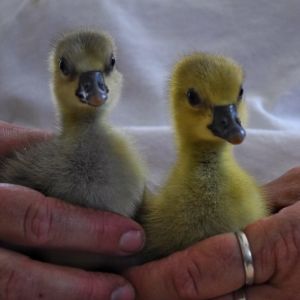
(193, 98)
(241, 93)
(64, 66)
(111, 64)
(112, 61)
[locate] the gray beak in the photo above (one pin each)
(92, 89)
(227, 125)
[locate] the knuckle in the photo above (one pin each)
(87, 290)
(37, 222)
(8, 282)
(295, 171)
(87, 287)
(287, 247)
(10, 278)
(102, 227)
(187, 281)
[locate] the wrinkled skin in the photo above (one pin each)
(211, 269)
(28, 218)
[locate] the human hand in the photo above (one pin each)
(30, 219)
(284, 190)
(213, 268)
(13, 137)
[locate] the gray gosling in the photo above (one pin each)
(88, 162)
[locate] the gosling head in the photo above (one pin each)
(207, 99)
(85, 78)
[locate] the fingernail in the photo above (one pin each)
(123, 293)
(132, 241)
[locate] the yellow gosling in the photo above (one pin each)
(206, 192)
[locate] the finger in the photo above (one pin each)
(210, 268)
(225, 297)
(14, 137)
(275, 243)
(22, 278)
(284, 190)
(213, 267)
(30, 219)
(265, 291)
(259, 292)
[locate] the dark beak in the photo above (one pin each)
(227, 125)
(92, 89)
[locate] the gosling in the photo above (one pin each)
(207, 192)
(87, 162)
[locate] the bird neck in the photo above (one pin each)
(75, 121)
(202, 154)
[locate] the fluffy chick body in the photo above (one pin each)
(94, 167)
(207, 192)
(87, 162)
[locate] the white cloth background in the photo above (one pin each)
(262, 35)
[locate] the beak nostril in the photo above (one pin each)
(80, 94)
(103, 87)
(224, 122)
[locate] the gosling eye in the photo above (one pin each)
(64, 66)
(111, 64)
(112, 60)
(241, 93)
(193, 98)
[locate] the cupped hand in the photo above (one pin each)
(213, 268)
(28, 218)
(284, 190)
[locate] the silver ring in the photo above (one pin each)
(240, 294)
(247, 257)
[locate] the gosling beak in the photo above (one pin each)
(92, 89)
(227, 125)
